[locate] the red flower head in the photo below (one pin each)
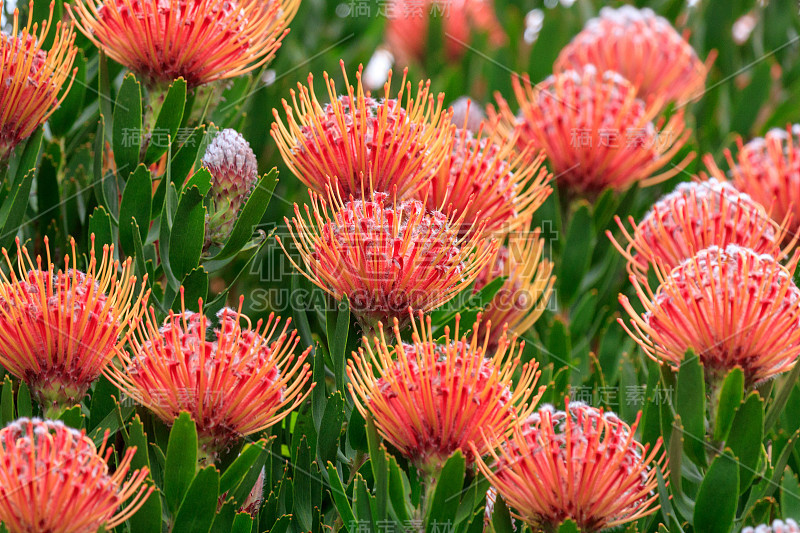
(694, 216)
(386, 256)
(644, 48)
(241, 382)
(596, 132)
(580, 464)
(524, 295)
(768, 169)
(33, 78)
(407, 26)
(484, 180)
(732, 306)
(429, 399)
(358, 141)
(199, 40)
(58, 330)
(54, 479)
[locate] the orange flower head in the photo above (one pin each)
(407, 26)
(581, 464)
(644, 48)
(522, 299)
(201, 41)
(54, 479)
(768, 169)
(732, 306)
(360, 143)
(386, 256)
(595, 131)
(59, 329)
(243, 381)
(33, 78)
(694, 216)
(431, 398)
(483, 179)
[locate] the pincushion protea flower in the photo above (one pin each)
(597, 134)
(33, 78)
(54, 479)
(730, 305)
(234, 172)
(524, 295)
(59, 329)
(199, 40)
(580, 464)
(768, 169)
(243, 381)
(393, 145)
(407, 26)
(385, 256)
(777, 526)
(484, 180)
(694, 216)
(644, 48)
(429, 399)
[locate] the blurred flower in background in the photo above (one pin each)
(53, 478)
(595, 131)
(777, 526)
(644, 48)
(33, 78)
(581, 464)
(408, 20)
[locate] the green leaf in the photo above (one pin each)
(104, 401)
(790, 495)
(690, 403)
(250, 216)
(127, 131)
(100, 227)
(195, 287)
(7, 402)
(188, 228)
(148, 518)
(781, 397)
(24, 403)
(198, 508)
(380, 470)
(168, 121)
(338, 327)
(73, 417)
(243, 523)
(14, 208)
(31, 155)
(398, 491)
(357, 431)
(186, 156)
(746, 436)
(243, 489)
(339, 496)
(63, 119)
(181, 461)
(575, 259)
(447, 494)
(730, 397)
(135, 205)
(331, 428)
(501, 518)
(245, 462)
(568, 526)
(751, 99)
(715, 506)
